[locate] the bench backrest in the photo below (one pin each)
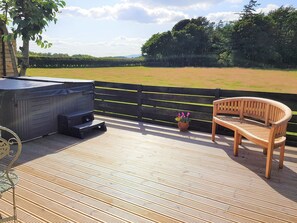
(260, 109)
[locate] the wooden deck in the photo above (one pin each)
(138, 172)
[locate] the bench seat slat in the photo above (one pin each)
(254, 131)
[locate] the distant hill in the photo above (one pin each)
(128, 56)
(133, 56)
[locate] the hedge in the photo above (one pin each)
(62, 62)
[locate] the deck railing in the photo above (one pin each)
(160, 105)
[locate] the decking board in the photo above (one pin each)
(137, 172)
(98, 209)
(125, 183)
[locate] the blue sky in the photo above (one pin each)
(120, 27)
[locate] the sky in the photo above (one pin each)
(120, 27)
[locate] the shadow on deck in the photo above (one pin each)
(250, 155)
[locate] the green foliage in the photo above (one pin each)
(194, 38)
(63, 61)
(255, 40)
(83, 56)
(158, 46)
(7, 38)
(251, 40)
(180, 25)
(221, 43)
(184, 45)
(225, 59)
(284, 24)
(266, 40)
(29, 18)
(57, 55)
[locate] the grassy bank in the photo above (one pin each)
(225, 78)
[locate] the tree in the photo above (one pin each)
(180, 25)
(285, 33)
(158, 46)
(192, 42)
(221, 43)
(253, 42)
(250, 8)
(194, 38)
(29, 18)
(189, 39)
(253, 38)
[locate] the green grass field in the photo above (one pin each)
(284, 81)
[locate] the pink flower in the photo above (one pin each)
(181, 117)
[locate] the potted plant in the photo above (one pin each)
(183, 121)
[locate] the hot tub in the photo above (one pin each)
(78, 95)
(30, 107)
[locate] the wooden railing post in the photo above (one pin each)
(139, 102)
(217, 93)
(217, 96)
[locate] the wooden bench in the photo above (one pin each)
(78, 123)
(262, 121)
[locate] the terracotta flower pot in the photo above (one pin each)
(183, 126)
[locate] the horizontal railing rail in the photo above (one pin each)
(160, 105)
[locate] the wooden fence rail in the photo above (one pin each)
(160, 105)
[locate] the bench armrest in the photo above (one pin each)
(279, 128)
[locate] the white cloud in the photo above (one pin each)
(224, 16)
(99, 13)
(131, 12)
(234, 1)
(267, 9)
(181, 4)
(231, 16)
(119, 46)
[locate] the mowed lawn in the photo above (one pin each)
(284, 81)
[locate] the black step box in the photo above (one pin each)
(78, 123)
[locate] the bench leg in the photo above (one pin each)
(236, 143)
(281, 156)
(265, 151)
(269, 161)
(240, 139)
(214, 127)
